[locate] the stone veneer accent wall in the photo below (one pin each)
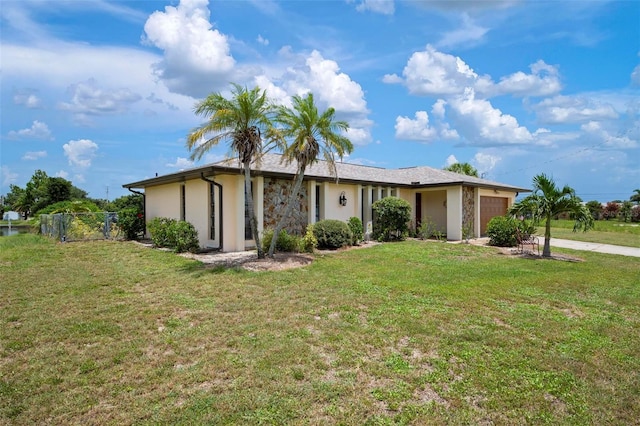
(468, 208)
(276, 195)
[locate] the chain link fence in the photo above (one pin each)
(81, 226)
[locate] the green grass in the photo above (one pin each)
(408, 333)
(605, 232)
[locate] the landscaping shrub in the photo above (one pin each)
(502, 230)
(184, 237)
(332, 234)
(391, 219)
(285, 243)
(309, 242)
(357, 233)
(131, 222)
(170, 233)
(428, 229)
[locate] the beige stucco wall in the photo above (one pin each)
(332, 208)
(163, 201)
(454, 213)
(197, 209)
(433, 208)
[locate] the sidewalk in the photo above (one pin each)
(597, 247)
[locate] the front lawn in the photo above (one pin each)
(605, 232)
(408, 333)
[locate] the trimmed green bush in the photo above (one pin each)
(285, 243)
(501, 230)
(170, 233)
(391, 217)
(332, 234)
(184, 237)
(355, 225)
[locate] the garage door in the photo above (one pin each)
(491, 207)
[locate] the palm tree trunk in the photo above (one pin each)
(546, 251)
(252, 214)
(287, 211)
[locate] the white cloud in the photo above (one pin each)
(8, 177)
(573, 109)
(62, 174)
(595, 132)
(417, 129)
(263, 41)
(433, 73)
(34, 155)
(322, 77)
(38, 131)
(451, 159)
(196, 56)
(181, 163)
(80, 152)
(543, 81)
(29, 100)
(468, 34)
(482, 124)
(385, 7)
(635, 76)
(485, 163)
(88, 99)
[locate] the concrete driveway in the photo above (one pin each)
(597, 247)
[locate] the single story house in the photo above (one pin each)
(212, 198)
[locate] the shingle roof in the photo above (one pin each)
(272, 164)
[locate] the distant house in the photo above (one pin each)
(212, 198)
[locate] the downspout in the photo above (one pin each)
(220, 246)
(144, 209)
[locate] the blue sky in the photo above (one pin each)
(102, 92)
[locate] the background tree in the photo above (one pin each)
(463, 169)
(635, 198)
(547, 201)
(311, 135)
(241, 121)
(595, 207)
(625, 210)
(611, 210)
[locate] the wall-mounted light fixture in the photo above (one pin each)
(342, 199)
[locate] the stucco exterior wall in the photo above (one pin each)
(434, 208)
(163, 201)
(197, 209)
(454, 213)
(333, 209)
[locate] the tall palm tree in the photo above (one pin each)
(463, 168)
(547, 201)
(241, 121)
(311, 135)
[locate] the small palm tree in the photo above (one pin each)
(463, 168)
(311, 135)
(241, 121)
(635, 197)
(547, 201)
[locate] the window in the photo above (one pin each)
(183, 202)
(247, 219)
(317, 203)
(212, 211)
